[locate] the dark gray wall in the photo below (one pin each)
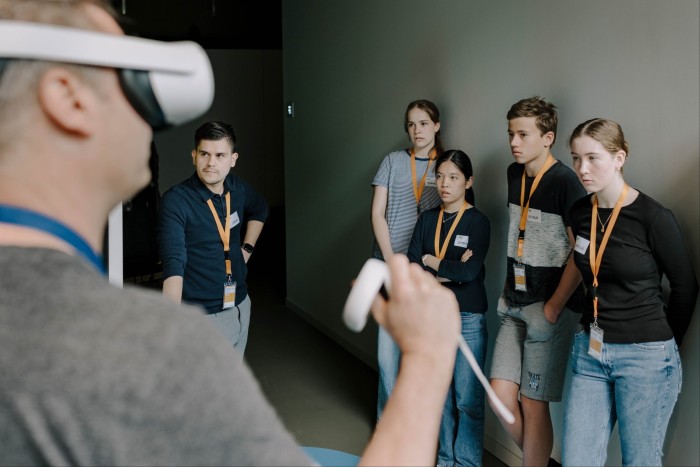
(249, 97)
(351, 68)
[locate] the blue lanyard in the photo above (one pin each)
(19, 216)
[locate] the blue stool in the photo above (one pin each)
(331, 457)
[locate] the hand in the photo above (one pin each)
(246, 255)
(551, 312)
(467, 254)
(420, 313)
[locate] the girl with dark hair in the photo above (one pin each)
(451, 242)
(404, 186)
(625, 362)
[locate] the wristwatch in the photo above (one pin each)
(248, 247)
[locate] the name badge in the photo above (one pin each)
(581, 245)
(595, 344)
(462, 241)
(519, 274)
(234, 219)
(229, 295)
(534, 215)
(430, 182)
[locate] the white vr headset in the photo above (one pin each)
(167, 83)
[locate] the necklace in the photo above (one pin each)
(603, 224)
(454, 214)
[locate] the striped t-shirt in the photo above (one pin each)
(401, 210)
(547, 247)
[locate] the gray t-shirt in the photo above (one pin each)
(401, 210)
(94, 375)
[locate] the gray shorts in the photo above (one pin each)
(532, 352)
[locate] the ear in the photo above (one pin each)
(549, 138)
(437, 127)
(620, 158)
(234, 157)
(68, 102)
(470, 182)
(194, 157)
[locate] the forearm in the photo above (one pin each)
(252, 233)
(408, 431)
(570, 279)
(381, 234)
(172, 288)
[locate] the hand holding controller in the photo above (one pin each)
(375, 274)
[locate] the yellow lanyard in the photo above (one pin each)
(224, 232)
(524, 208)
(440, 252)
(418, 189)
(594, 259)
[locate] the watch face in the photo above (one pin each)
(248, 247)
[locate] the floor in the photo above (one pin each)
(324, 395)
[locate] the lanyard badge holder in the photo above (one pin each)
(595, 343)
(418, 188)
(519, 267)
(225, 234)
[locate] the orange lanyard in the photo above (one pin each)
(524, 209)
(224, 232)
(418, 189)
(594, 259)
(440, 252)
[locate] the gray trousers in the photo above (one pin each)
(233, 323)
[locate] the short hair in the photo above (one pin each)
(607, 132)
(433, 112)
(215, 131)
(545, 114)
(19, 79)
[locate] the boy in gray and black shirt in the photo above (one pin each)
(533, 342)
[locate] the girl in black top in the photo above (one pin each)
(625, 361)
(451, 242)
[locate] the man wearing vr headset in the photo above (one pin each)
(95, 375)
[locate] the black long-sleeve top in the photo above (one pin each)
(466, 278)
(189, 241)
(645, 243)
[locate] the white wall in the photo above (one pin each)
(351, 68)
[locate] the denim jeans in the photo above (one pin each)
(462, 427)
(388, 356)
(636, 385)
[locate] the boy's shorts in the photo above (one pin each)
(531, 351)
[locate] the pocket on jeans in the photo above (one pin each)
(650, 346)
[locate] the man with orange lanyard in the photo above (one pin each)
(199, 233)
(533, 343)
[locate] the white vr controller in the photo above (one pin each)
(375, 274)
(167, 83)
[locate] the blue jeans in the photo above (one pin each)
(636, 385)
(388, 356)
(462, 428)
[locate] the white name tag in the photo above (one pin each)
(430, 181)
(519, 276)
(581, 245)
(595, 344)
(234, 219)
(229, 295)
(462, 241)
(534, 215)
